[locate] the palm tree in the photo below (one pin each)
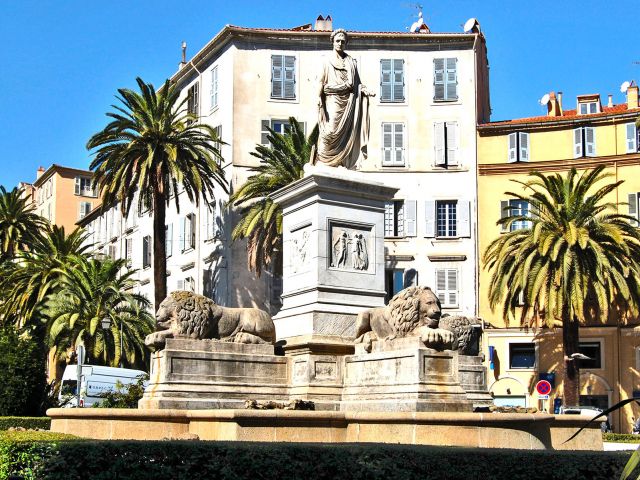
(94, 307)
(576, 260)
(27, 283)
(281, 163)
(19, 224)
(151, 146)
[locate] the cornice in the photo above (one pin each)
(628, 159)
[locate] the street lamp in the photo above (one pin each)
(106, 323)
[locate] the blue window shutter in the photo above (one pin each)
(398, 143)
(577, 142)
(590, 141)
(398, 80)
(385, 80)
(276, 76)
(430, 218)
(438, 79)
(451, 79)
(410, 218)
(524, 146)
(463, 220)
(387, 143)
(289, 81)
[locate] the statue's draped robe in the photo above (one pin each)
(344, 120)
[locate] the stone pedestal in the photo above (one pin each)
(203, 374)
(402, 375)
(333, 251)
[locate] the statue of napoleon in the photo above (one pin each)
(343, 110)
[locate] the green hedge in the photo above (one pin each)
(237, 460)
(25, 422)
(621, 437)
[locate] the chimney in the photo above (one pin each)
(610, 102)
(39, 172)
(554, 107)
(184, 56)
(325, 24)
(632, 96)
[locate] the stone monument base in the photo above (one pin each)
(202, 374)
(402, 375)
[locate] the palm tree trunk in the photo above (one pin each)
(570, 339)
(159, 249)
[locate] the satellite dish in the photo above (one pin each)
(625, 86)
(471, 25)
(545, 99)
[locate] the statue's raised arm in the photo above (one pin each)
(343, 109)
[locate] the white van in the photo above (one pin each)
(95, 381)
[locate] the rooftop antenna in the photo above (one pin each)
(471, 26)
(625, 86)
(544, 101)
(416, 26)
(184, 52)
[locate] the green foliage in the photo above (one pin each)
(25, 422)
(22, 374)
(235, 460)
(125, 396)
(24, 454)
(620, 438)
(281, 163)
(19, 224)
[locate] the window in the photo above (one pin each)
(187, 284)
(214, 87)
(515, 207)
(522, 355)
(396, 279)
(210, 221)
(218, 143)
(393, 144)
(283, 77)
(188, 232)
(633, 207)
(85, 208)
(445, 79)
(168, 239)
(392, 80)
(132, 217)
(128, 250)
(400, 218)
(633, 138)
(193, 99)
(111, 252)
(447, 218)
(83, 187)
(278, 126)
(447, 286)
(445, 141)
(593, 350)
(518, 147)
(584, 142)
(588, 107)
(146, 251)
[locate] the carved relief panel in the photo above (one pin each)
(351, 247)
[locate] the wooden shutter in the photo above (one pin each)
(192, 231)
(577, 142)
(145, 252)
(430, 218)
(438, 143)
(633, 206)
(389, 217)
(387, 143)
(590, 141)
(398, 80)
(513, 148)
(441, 285)
(276, 76)
(504, 213)
(183, 222)
(214, 87)
(289, 88)
(451, 79)
(385, 80)
(398, 143)
(180, 285)
(452, 143)
(77, 190)
(128, 245)
(452, 287)
(524, 146)
(632, 138)
(438, 79)
(169, 239)
(264, 129)
(463, 226)
(410, 218)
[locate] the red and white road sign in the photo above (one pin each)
(543, 387)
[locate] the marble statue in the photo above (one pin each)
(416, 312)
(189, 315)
(343, 110)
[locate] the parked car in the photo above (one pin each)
(95, 381)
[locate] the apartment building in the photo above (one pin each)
(62, 195)
(591, 134)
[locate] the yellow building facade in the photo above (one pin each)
(592, 134)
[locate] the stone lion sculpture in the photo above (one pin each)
(189, 315)
(414, 312)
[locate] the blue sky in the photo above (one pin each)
(62, 61)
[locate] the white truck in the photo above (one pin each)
(95, 381)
